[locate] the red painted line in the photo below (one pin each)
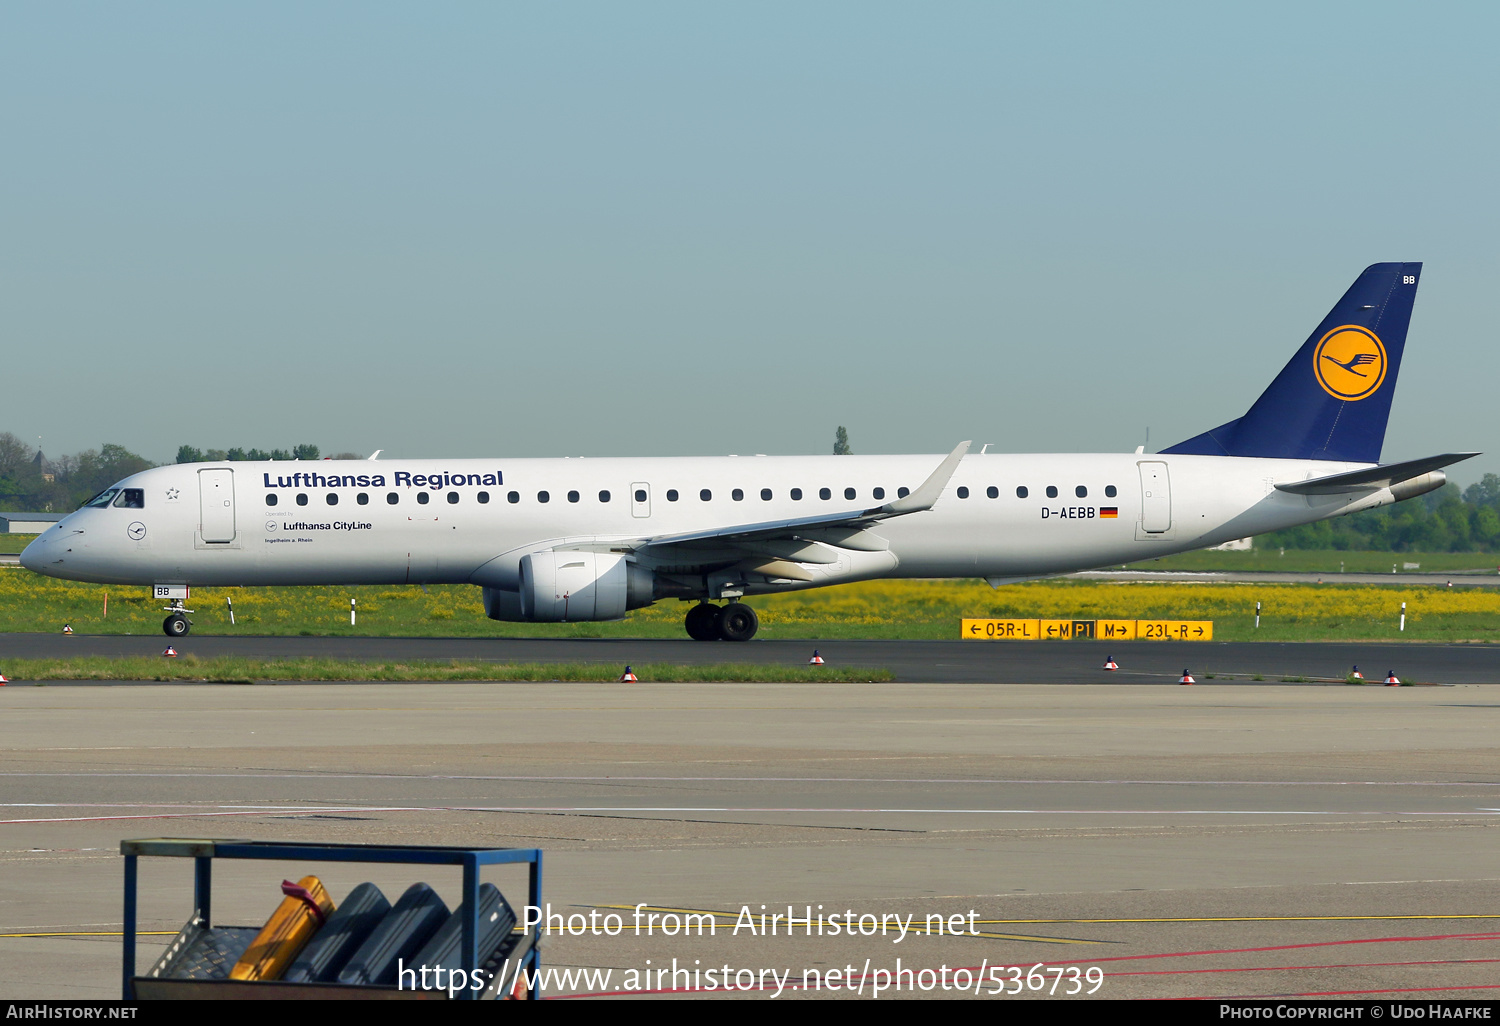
(1203, 997)
(1343, 993)
(1295, 947)
(1165, 972)
(1294, 968)
(684, 990)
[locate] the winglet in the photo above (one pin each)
(926, 496)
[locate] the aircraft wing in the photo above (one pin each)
(924, 498)
(788, 539)
(1382, 476)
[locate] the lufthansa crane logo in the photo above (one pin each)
(1350, 362)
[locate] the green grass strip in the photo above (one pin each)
(870, 609)
(236, 670)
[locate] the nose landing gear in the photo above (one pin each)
(734, 622)
(176, 625)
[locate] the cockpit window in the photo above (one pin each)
(102, 499)
(131, 498)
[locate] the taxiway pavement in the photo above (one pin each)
(1036, 662)
(1211, 841)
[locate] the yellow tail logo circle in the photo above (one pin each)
(1350, 362)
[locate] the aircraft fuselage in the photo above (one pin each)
(289, 523)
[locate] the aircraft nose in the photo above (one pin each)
(42, 555)
(34, 555)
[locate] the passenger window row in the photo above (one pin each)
(795, 494)
(705, 495)
(363, 498)
(1110, 491)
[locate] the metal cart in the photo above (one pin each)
(197, 962)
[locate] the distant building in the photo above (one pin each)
(28, 523)
(1238, 545)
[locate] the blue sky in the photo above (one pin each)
(605, 229)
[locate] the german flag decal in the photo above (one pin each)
(1109, 512)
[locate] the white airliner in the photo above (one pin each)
(550, 540)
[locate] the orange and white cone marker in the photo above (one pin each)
(816, 659)
(1187, 678)
(1391, 680)
(1110, 664)
(4, 679)
(628, 676)
(170, 652)
(1355, 674)
(67, 628)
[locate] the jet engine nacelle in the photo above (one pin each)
(558, 586)
(1414, 486)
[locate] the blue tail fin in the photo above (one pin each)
(1333, 400)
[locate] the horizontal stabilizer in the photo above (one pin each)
(1374, 477)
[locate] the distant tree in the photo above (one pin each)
(1485, 492)
(1487, 528)
(15, 456)
(1450, 492)
(1454, 515)
(841, 442)
(120, 461)
(188, 454)
(96, 471)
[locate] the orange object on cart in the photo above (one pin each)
(296, 920)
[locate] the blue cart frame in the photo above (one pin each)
(203, 853)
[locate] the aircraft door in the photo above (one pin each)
(640, 499)
(1156, 498)
(216, 505)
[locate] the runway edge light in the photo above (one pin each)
(1187, 678)
(816, 659)
(1110, 664)
(627, 676)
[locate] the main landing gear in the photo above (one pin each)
(734, 622)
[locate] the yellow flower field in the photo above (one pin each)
(873, 602)
(875, 609)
